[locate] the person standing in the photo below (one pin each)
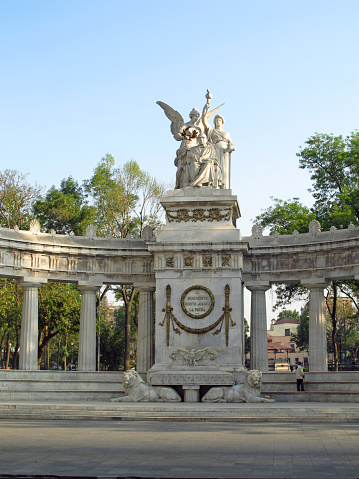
(299, 374)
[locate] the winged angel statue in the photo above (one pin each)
(203, 157)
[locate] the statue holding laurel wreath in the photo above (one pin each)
(189, 135)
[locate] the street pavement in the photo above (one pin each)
(156, 449)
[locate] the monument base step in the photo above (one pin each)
(195, 412)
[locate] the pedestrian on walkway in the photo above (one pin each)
(299, 374)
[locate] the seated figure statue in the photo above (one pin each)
(202, 167)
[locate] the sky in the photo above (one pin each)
(80, 79)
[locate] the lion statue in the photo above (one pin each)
(137, 390)
(248, 391)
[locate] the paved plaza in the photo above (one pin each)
(179, 450)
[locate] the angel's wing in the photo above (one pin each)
(200, 353)
(208, 116)
(176, 119)
(185, 354)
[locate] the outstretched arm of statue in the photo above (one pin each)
(206, 110)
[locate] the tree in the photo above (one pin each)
(59, 314)
(288, 313)
(65, 209)
(333, 163)
(301, 337)
(286, 217)
(127, 199)
(10, 319)
(17, 197)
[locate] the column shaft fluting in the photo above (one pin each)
(259, 341)
(87, 340)
(317, 330)
(145, 334)
(29, 336)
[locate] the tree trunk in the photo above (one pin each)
(65, 357)
(1, 347)
(7, 351)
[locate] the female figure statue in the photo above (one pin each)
(202, 167)
(221, 141)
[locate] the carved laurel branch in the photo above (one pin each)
(197, 214)
(170, 318)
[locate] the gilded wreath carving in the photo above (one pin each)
(169, 318)
(197, 316)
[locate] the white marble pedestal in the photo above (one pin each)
(198, 258)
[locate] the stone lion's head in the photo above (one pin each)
(131, 379)
(254, 378)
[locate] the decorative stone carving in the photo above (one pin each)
(71, 233)
(136, 390)
(210, 215)
(207, 261)
(197, 302)
(314, 227)
(91, 231)
(247, 391)
(257, 231)
(170, 262)
(351, 227)
(295, 233)
(34, 227)
(225, 260)
(333, 229)
(195, 357)
(276, 234)
(170, 318)
(195, 378)
(16, 228)
(52, 232)
(147, 233)
(199, 163)
(188, 260)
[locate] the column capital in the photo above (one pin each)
(315, 284)
(30, 284)
(257, 286)
(88, 288)
(145, 288)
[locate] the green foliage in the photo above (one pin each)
(301, 337)
(288, 313)
(10, 316)
(112, 340)
(59, 313)
(17, 197)
(65, 209)
(247, 339)
(333, 164)
(286, 216)
(127, 198)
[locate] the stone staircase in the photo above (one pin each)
(337, 387)
(60, 385)
(188, 412)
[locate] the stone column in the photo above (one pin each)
(29, 326)
(145, 333)
(258, 327)
(87, 341)
(317, 328)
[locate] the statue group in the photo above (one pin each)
(204, 156)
